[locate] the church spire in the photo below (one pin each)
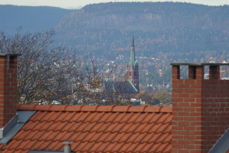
(132, 68)
(132, 54)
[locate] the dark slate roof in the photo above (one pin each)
(222, 145)
(121, 87)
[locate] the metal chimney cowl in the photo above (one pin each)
(67, 147)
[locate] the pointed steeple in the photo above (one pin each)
(132, 68)
(132, 61)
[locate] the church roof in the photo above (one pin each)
(121, 87)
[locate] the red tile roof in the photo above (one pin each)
(95, 129)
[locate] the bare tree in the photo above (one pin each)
(45, 72)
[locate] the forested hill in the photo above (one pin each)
(158, 27)
(31, 19)
(107, 28)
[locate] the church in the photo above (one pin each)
(131, 83)
(132, 68)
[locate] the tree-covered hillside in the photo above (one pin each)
(107, 28)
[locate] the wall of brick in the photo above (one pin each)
(8, 88)
(215, 110)
(200, 109)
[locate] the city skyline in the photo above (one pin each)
(72, 4)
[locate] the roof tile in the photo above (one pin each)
(103, 147)
(117, 147)
(107, 118)
(111, 137)
(75, 108)
(105, 108)
(95, 136)
(75, 117)
(140, 138)
(117, 137)
(83, 116)
(96, 146)
(55, 145)
(163, 118)
(75, 146)
(168, 148)
(146, 147)
(104, 137)
(31, 135)
(39, 116)
(14, 144)
(42, 107)
(126, 117)
(26, 107)
(124, 137)
(143, 128)
(166, 109)
(111, 117)
(69, 116)
(87, 108)
(137, 109)
(58, 107)
(30, 125)
(134, 118)
(46, 125)
(148, 118)
(155, 138)
(83, 146)
(121, 108)
(155, 109)
(156, 117)
(38, 135)
(125, 147)
(140, 147)
(155, 147)
(62, 116)
(132, 147)
(132, 137)
(110, 147)
(67, 136)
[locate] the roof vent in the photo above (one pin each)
(67, 147)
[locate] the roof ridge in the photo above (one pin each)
(95, 108)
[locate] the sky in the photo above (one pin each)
(71, 4)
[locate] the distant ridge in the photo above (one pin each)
(30, 18)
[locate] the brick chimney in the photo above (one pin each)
(200, 108)
(8, 88)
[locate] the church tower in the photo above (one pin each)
(132, 68)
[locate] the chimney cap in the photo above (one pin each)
(199, 64)
(67, 142)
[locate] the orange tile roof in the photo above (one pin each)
(95, 129)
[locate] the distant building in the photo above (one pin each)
(132, 68)
(120, 87)
(131, 85)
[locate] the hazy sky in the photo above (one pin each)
(80, 3)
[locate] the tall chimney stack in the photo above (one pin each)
(200, 108)
(8, 88)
